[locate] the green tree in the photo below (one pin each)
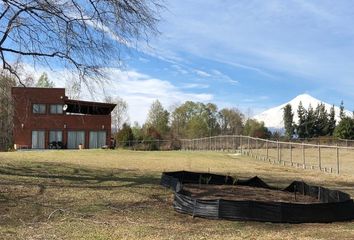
(195, 119)
(44, 82)
(310, 122)
(197, 127)
(254, 128)
(341, 110)
(321, 121)
(231, 121)
(345, 128)
(331, 121)
(158, 118)
(288, 118)
(137, 131)
(125, 135)
(301, 126)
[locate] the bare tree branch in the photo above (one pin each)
(83, 36)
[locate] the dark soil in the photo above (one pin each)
(242, 193)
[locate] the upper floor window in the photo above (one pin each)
(38, 108)
(56, 109)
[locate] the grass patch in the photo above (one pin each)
(97, 194)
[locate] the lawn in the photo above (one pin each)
(98, 194)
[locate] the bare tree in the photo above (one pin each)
(119, 113)
(6, 110)
(81, 35)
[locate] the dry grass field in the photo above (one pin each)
(98, 194)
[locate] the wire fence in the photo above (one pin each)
(327, 158)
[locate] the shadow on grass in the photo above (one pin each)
(24, 196)
(73, 174)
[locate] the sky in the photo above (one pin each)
(247, 54)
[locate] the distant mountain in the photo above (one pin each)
(273, 117)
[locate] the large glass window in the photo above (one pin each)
(97, 139)
(38, 138)
(55, 139)
(38, 108)
(56, 108)
(75, 138)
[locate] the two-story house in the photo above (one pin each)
(46, 118)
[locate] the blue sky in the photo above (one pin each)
(246, 54)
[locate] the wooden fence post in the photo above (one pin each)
(248, 143)
(267, 150)
(220, 144)
(233, 143)
(291, 154)
(278, 151)
(337, 150)
(241, 143)
(319, 157)
(303, 156)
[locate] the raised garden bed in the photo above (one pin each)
(223, 197)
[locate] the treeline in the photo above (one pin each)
(191, 120)
(317, 122)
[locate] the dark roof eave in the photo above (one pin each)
(110, 106)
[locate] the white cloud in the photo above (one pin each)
(140, 90)
(223, 77)
(195, 85)
(202, 73)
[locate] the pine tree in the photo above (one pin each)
(341, 110)
(301, 128)
(288, 118)
(331, 121)
(345, 128)
(310, 122)
(321, 127)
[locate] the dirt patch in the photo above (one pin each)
(242, 193)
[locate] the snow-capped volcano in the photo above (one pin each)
(273, 117)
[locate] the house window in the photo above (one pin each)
(97, 139)
(38, 108)
(75, 138)
(56, 109)
(38, 139)
(55, 139)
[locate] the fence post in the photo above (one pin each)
(220, 145)
(278, 152)
(257, 145)
(291, 154)
(233, 143)
(319, 157)
(241, 143)
(248, 143)
(303, 156)
(267, 150)
(337, 159)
